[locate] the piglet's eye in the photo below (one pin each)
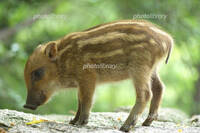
(37, 74)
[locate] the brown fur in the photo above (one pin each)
(134, 47)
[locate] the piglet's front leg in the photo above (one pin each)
(85, 95)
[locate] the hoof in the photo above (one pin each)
(146, 123)
(125, 128)
(72, 122)
(149, 120)
(82, 122)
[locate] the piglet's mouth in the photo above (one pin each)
(30, 106)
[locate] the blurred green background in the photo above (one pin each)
(26, 23)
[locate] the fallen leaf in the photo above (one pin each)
(2, 130)
(34, 121)
(12, 124)
(180, 130)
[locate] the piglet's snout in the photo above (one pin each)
(34, 100)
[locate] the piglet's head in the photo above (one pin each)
(40, 75)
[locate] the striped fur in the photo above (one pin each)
(133, 47)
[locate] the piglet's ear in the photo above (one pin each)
(51, 51)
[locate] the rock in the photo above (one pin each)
(164, 114)
(172, 115)
(195, 121)
(109, 122)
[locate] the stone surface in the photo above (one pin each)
(110, 122)
(165, 114)
(195, 121)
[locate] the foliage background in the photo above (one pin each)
(26, 23)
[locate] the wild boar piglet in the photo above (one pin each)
(105, 53)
